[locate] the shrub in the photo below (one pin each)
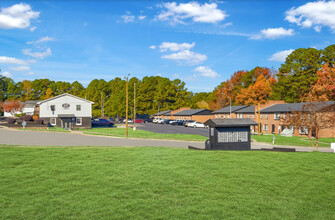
(38, 121)
(11, 120)
(27, 118)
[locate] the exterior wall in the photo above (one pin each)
(86, 122)
(86, 107)
(172, 117)
(202, 118)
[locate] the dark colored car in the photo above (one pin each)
(178, 122)
(146, 120)
(101, 122)
(166, 121)
(138, 120)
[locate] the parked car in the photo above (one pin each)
(198, 124)
(157, 120)
(129, 121)
(191, 123)
(146, 120)
(186, 122)
(101, 122)
(166, 121)
(138, 120)
(178, 122)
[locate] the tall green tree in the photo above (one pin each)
(297, 74)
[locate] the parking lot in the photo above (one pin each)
(172, 129)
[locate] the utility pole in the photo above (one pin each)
(134, 102)
(259, 119)
(127, 104)
(101, 106)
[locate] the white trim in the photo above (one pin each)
(51, 119)
(64, 94)
(80, 120)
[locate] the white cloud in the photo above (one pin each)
(281, 55)
(43, 39)
(32, 28)
(12, 60)
(319, 13)
(39, 55)
(206, 72)
(165, 46)
(141, 17)
(206, 13)
(7, 74)
(188, 56)
(20, 68)
(17, 16)
(128, 18)
(273, 33)
(152, 47)
(31, 73)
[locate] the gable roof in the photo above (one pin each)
(193, 112)
(249, 109)
(293, 107)
(162, 113)
(64, 94)
(227, 109)
(230, 122)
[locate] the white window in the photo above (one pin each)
(284, 116)
(239, 115)
(52, 108)
(303, 130)
(78, 107)
(248, 115)
(277, 116)
(53, 121)
(78, 121)
(265, 127)
(261, 116)
(267, 116)
(253, 115)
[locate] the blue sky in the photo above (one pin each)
(200, 42)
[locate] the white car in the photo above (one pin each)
(157, 120)
(191, 123)
(198, 124)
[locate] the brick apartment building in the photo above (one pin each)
(201, 115)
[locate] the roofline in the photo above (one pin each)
(61, 95)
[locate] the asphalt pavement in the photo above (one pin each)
(47, 138)
(172, 129)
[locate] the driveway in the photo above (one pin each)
(172, 129)
(19, 137)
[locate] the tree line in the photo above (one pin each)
(306, 74)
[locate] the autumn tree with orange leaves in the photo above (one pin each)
(260, 92)
(324, 88)
(12, 106)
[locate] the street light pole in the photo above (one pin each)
(229, 103)
(134, 102)
(126, 78)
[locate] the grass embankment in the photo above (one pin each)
(164, 183)
(120, 132)
(292, 141)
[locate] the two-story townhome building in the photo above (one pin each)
(29, 108)
(66, 111)
(225, 112)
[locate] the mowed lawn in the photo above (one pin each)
(121, 132)
(292, 141)
(164, 183)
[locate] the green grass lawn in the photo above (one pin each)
(164, 183)
(292, 141)
(120, 132)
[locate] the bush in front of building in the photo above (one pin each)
(27, 118)
(38, 121)
(11, 120)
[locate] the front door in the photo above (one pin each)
(273, 129)
(66, 123)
